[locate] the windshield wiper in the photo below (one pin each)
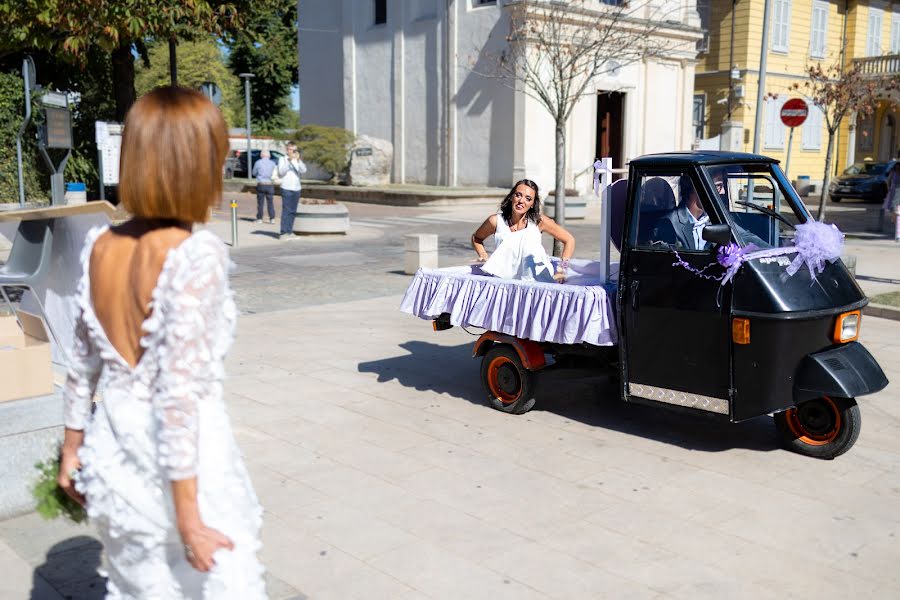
(767, 211)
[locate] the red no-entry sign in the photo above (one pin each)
(794, 112)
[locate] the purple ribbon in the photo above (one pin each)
(814, 243)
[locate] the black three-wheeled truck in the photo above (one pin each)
(765, 342)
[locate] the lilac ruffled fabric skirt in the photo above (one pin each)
(579, 311)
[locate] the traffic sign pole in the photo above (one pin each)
(787, 160)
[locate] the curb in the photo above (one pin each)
(882, 311)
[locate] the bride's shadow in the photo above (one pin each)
(584, 396)
(70, 571)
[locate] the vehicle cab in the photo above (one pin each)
(765, 341)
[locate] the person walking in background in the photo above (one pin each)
(265, 187)
(156, 462)
(892, 200)
(290, 168)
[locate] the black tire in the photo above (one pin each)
(836, 199)
(821, 428)
(508, 384)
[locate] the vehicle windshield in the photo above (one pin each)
(763, 207)
(866, 169)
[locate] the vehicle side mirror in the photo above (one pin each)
(717, 234)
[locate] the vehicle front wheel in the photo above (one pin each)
(821, 428)
(509, 385)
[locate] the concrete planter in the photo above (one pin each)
(322, 218)
(576, 207)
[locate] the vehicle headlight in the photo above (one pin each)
(846, 329)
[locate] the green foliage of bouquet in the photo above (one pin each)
(52, 501)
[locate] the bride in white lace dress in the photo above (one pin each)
(156, 460)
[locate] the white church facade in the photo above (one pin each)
(409, 72)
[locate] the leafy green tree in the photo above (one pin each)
(267, 47)
(119, 28)
(198, 62)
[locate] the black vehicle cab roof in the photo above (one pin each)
(705, 157)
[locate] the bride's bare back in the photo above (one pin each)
(124, 268)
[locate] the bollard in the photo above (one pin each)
(421, 252)
(234, 232)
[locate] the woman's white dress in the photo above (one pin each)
(165, 420)
(519, 254)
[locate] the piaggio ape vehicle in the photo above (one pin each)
(772, 335)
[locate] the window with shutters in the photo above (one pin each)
(812, 128)
(818, 33)
(873, 42)
(774, 128)
(781, 25)
(895, 31)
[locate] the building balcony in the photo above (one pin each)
(879, 66)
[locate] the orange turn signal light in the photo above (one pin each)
(846, 328)
(740, 330)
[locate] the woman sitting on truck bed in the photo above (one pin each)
(517, 227)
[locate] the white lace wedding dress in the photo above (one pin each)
(165, 420)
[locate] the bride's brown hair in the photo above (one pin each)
(173, 147)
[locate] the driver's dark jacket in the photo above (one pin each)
(677, 230)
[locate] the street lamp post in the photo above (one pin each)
(246, 77)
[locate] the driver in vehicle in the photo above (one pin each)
(683, 227)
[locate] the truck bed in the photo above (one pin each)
(578, 311)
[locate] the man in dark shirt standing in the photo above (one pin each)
(265, 187)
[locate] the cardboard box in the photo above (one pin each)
(25, 367)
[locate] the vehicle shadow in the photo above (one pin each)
(589, 398)
(70, 571)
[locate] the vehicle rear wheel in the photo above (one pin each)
(509, 385)
(821, 428)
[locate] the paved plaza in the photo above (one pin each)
(385, 475)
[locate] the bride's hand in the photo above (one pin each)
(69, 465)
(481, 259)
(200, 543)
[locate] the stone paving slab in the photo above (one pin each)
(384, 474)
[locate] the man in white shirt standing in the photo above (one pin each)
(290, 168)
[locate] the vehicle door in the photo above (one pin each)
(676, 325)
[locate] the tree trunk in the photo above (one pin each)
(173, 62)
(123, 79)
(560, 213)
(826, 180)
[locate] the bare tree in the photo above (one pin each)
(557, 49)
(839, 93)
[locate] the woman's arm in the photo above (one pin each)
(558, 232)
(81, 383)
(486, 230)
(200, 541)
(189, 365)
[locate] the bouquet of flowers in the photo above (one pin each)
(52, 501)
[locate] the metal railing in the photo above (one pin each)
(879, 65)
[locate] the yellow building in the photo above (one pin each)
(802, 33)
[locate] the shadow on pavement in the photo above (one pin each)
(577, 395)
(70, 570)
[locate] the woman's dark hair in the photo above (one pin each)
(534, 213)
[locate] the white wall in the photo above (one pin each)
(454, 126)
(321, 62)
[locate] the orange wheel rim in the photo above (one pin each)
(503, 380)
(817, 422)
